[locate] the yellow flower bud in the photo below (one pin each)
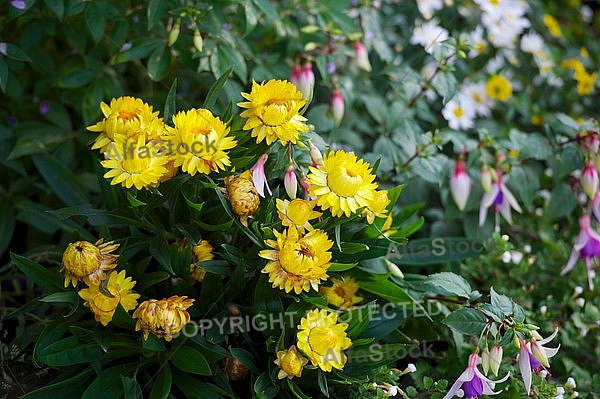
(163, 318)
(291, 363)
(88, 262)
(243, 196)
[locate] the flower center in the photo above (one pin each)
(126, 116)
(291, 364)
(197, 130)
(322, 340)
(104, 303)
(344, 182)
(340, 291)
(298, 212)
(458, 112)
(275, 113)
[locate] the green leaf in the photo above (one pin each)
(251, 17)
(170, 105)
(61, 297)
(107, 385)
(341, 267)
(149, 279)
(133, 200)
(322, 380)
(69, 351)
(162, 383)
(466, 321)
(568, 121)
(57, 7)
(192, 388)
(215, 89)
(131, 388)
(3, 75)
(437, 250)
(70, 388)
(76, 78)
(140, 48)
(156, 10)
(386, 290)
(190, 360)
(15, 53)
(94, 18)
(247, 359)
(7, 224)
(502, 302)
(48, 280)
(562, 202)
(525, 182)
(60, 179)
(449, 284)
(159, 63)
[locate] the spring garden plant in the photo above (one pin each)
(228, 192)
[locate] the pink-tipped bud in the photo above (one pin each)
(337, 106)
(589, 179)
(306, 81)
(315, 154)
(259, 177)
(596, 206)
(290, 182)
(495, 359)
(362, 57)
(460, 185)
(306, 186)
(589, 141)
(296, 71)
(486, 179)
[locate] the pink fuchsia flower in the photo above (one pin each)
(587, 245)
(337, 106)
(534, 356)
(290, 182)
(589, 179)
(306, 81)
(502, 199)
(296, 71)
(460, 185)
(362, 57)
(473, 382)
(259, 177)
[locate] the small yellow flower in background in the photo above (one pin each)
(297, 262)
(498, 88)
(297, 213)
(242, 196)
(377, 207)
(552, 25)
(290, 362)
(342, 184)
(103, 299)
(585, 83)
(88, 262)
(584, 52)
(343, 293)
(202, 252)
(199, 141)
(130, 167)
(273, 112)
(322, 339)
(120, 117)
(513, 153)
(537, 120)
(163, 318)
(574, 64)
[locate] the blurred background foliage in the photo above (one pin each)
(62, 58)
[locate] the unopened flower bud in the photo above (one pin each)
(362, 57)
(539, 353)
(174, 34)
(535, 335)
(198, 41)
(570, 383)
(580, 302)
(578, 290)
(306, 82)
(485, 360)
(296, 71)
(290, 182)
(337, 106)
(589, 179)
(495, 359)
(315, 154)
(460, 185)
(394, 269)
(486, 179)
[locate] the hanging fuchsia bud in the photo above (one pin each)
(306, 186)
(460, 185)
(296, 71)
(306, 82)
(362, 57)
(486, 179)
(198, 41)
(589, 179)
(337, 106)
(259, 177)
(495, 359)
(589, 141)
(315, 154)
(290, 182)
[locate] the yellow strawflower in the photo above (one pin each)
(552, 25)
(163, 318)
(242, 196)
(290, 363)
(297, 213)
(119, 116)
(323, 340)
(343, 293)
(202, 252)
(377, 207)
(498, 88)
(88, 262)
(342, 184)
(103, 299)
(200, 142)
(273, 112)
(585, 83)
(297, 262)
